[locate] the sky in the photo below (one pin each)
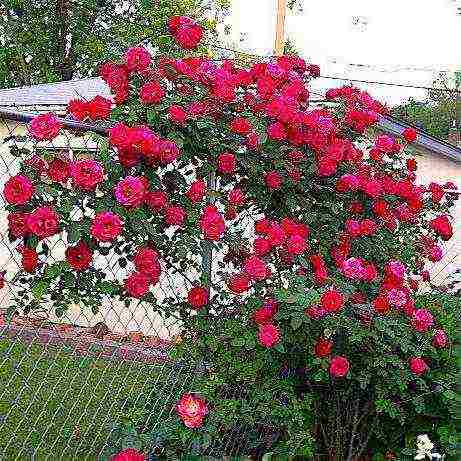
(404, 41)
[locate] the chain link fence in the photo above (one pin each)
(65, 376)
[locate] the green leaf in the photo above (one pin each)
(39, 289)
(73, 234)
(107, 287)
(238, 342)
(280, 348)
(296, 323)
(53, 270)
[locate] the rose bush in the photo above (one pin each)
(309, 237)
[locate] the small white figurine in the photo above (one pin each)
(424, 448)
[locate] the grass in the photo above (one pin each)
(55, 404)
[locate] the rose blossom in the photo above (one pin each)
(296, 245)
(78, 109)
(422, 320)
(43, 222)
(256, 268)
(323, 347)
(332, 300)
(192, 409)
(442, 226)
(226, 163)
(353, 268)
(236, 197)
(17, 224)
(156, 199)
(339, 367)
(174, 215)
(177, 114)
(137, 284)
(87, 174)
(29, 259)
(79, 256)
(418, 366)
(45, 127)
(212, 223)
(240, 125)
(261, 246)
(273, 179)
(151, 93)
(440, 338)
(129, 454)
(268, 335)
(58, 170)
(198, 297)
(106, 226)
(130, 191)
(146, 261)
(18, 190)
(99, 108)
(197, 191)
(263, 315)
(396, 297)
(410, 134)
(137, 59)
(238, 283)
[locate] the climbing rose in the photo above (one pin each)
(332, 300)
(339, 367)
(268, 335)
(29, 259)
(130, 191)
(129, 454)
(236, 197)
(197, 191)
(198, 297)
(17, 224)
(43, 222)
(186, 32)
(442, 226)
(212, 223)
(99, 108)
(226, 163)
(79, 256)
(238, 283)
(261, 246)
(263, 315)
(273, 179)
(45, 127)
(87, 174)
(240, 125)
(296, 245)
(174, 215)
(440, 338)
(256, 268)
(18, 190)
(58, 170)
(410, 134)
(323, 347)
(177, 114)
(106, 226)
(151, 92)
(156, 199)
(137, 284)
(422, 320)
(137, 59)
(192, 409)
(78, 109)
(146, 261)
(418, 366)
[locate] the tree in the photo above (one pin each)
(53, 40)
(440, 111)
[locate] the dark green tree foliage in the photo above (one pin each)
(43, 41)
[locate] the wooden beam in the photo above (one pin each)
(279, 44)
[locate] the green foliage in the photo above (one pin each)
(46, 41)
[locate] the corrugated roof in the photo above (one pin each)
(37, 98)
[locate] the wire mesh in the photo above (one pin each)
(66, 376)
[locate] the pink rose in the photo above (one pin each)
(130, 191)
(18, 190)
(192, 409)
(137, 284)
(45, 127)
(418, 366)
(87, 174)
(174, 215)
(106, 226)
(43, 222)
(422, 320)
(256, 268)
(137, 59)
(439, 339)
(339, 367)
(268, 335)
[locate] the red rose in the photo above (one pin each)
(137, 284)
(236, 197)
(198, 297)
(442, 226)
(137, 59)
(78, 109)
(339, 367)
(146, 261)
(99, 108)
(368, 227)
(261, 246)
(263, 315)
(440, 338)
(332, 300)
(296, 245)
(87, 174)
(18, 190)
(156, 199)
(43, 222)
(268, 335)
(212, 223)
(252, 141)
(45, 127)
(130, 191)
(273, 179)
(323, 347)
(167, 151)
(29, 259)
(256, 268)
(262, 226)
(410, 134)
(239, 283)
(58, 170)
(17, 224)
(192, 409)
(226, 163)
(186, 32)
(197, 191)
(240, 125)
(129, 454)
(177, 114)
(151, 92)
(106, 226)
(422, 320)
(418, 366)
(174, 215)
(381, 304)
(276, 131)
(79, 257)
(412, 165)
